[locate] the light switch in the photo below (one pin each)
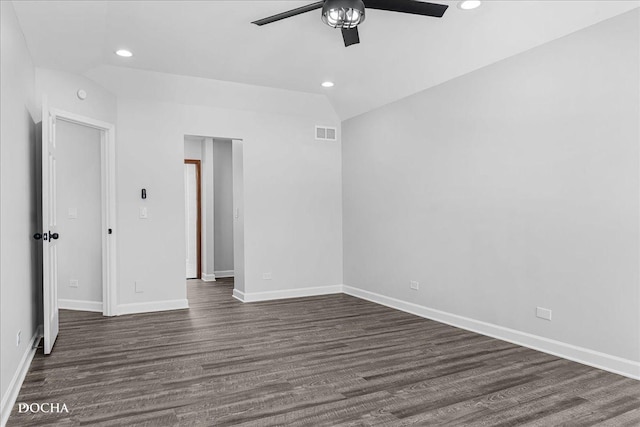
(72, 213)
(144, 213)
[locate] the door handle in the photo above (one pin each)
(54, 236)
(37, 236)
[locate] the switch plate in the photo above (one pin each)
(72, 213)
(73, 283)
(144, 213)
(414, 285)
(543, 313)
(266, 276)
(138, 287)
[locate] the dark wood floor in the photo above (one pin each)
(321, 361)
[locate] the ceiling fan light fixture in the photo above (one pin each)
(469, 4)
(343, 13)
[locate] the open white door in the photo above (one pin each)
(49, 229)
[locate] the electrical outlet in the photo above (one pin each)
(73, 283)
(266, 276)
(138, 286)
(543, 313)
(414, 285)
(18, 338)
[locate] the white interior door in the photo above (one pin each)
(191, 218)
(49, 229)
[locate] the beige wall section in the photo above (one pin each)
(512, 187)
(20, 287)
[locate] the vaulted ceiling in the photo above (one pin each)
(399, 54)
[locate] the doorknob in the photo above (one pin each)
(37, 236)
(54, 236)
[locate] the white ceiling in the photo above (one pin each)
(399, 54)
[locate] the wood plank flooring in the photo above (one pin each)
(322, 361)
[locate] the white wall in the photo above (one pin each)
(223, 214)
(512, 187)
(20, 287)
(237, 157)
(79, 187)
(61, 89)
(193, 148)
(292, 216)
(208, 229)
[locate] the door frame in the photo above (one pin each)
(108, 208)
(198, 216)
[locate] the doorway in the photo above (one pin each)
(193, 218)
(57, 124)
(214, 224)
(79, 208)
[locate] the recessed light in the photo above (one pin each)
(124, 53)
(327, 84)
(469, 4)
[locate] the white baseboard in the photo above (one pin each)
(9, 399)
(208, 277)
(224, 273)
(286, 293)
(596, 359)
(239, 295)
(71, 304)
(149, 307)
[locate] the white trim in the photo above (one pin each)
(72, 304)
(239, 295)
(9, 399)
(596, 359)
(149, 307)
(208, 277)
(224, 273)
(108, 190)
(286, 293)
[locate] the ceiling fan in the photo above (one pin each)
(347, 14)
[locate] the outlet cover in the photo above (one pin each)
(266, 276)
(73, 283)
(543, 313)
(18, 338)
(139, 286)
(414, 285)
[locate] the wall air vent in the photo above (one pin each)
(324, 133)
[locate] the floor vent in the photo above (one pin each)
(326, 133)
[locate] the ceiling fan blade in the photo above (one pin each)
(289, 14)
(408, 6)
(350, 36)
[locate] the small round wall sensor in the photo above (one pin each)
(82, 94)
